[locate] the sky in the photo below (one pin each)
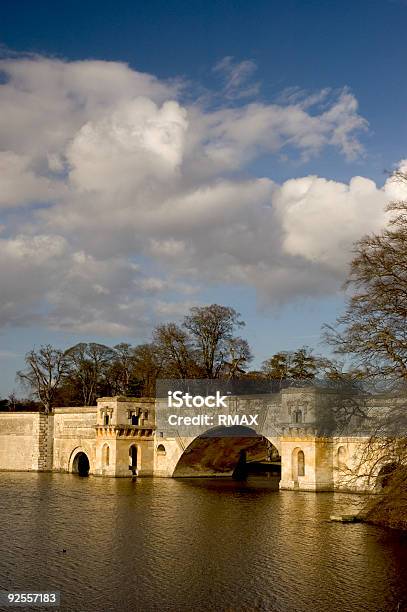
(160, 155)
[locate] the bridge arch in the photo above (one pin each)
(217, 452)
(79, 462)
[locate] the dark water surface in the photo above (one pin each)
(200, 544)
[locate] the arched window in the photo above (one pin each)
(298, 463)
(298, 416)
(106, 455)
(161, 449)
(341, 456)
(133, 456)
(301, 463)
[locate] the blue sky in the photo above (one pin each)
(277, 91)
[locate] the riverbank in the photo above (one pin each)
(387, 510)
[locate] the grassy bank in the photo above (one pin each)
(389, 508)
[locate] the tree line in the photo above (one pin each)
(205, 345)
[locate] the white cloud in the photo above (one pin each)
(138, 199)
(45, 102)
(238, 135)
(321, 219)
(136, 142)
(19, 184)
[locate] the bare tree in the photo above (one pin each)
(211, 327)
(148, 365)
(12, 401)
(381, 465)
(237, 357)
(374, 327)
(373, 331)
(88, 364)
(44, 373)
(176, 349)
(118, 374)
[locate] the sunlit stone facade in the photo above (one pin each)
(119, 438)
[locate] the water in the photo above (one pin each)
(193, 545)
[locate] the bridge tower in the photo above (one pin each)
(306, 456)
(125, 430)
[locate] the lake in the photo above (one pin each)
(194, 545)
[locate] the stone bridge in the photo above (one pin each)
(121, 437)
(294, 428)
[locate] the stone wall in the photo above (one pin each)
(74, 431)
(44, 432)
(20, 448)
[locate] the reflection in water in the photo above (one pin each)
(193, 544)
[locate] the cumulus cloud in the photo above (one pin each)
(136, 142)
(19, 184)
(131, 199)
(321, 219)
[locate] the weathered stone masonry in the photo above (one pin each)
(118, 438)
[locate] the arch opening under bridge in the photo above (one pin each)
(80, 464)
(230, 451)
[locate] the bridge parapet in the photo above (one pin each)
(319, 434)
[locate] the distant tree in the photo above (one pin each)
(255, 375)
(88, 365)
(26, 404)
(69, 392)
(304, 365)
(175, 347)
(238, 356)
(211, 328)
(334, 375)
(277, 367)
(292, 367)
(118, 374)
(148, 365)
(12, 401)
(4, 405)
(45, 370)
